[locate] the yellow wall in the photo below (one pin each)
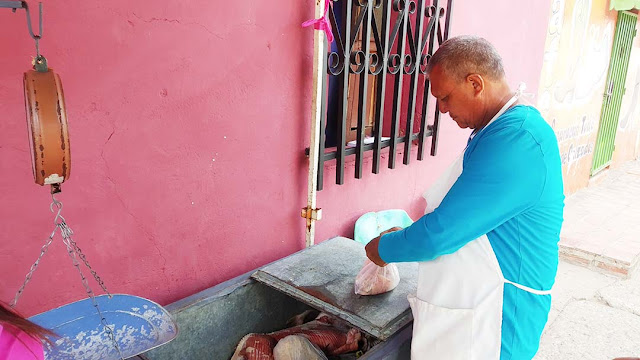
(574, 72)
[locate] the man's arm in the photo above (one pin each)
(503, 176)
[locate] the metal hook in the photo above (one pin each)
(40, 61)
(56, 202)
(58, 205)
(34, 36)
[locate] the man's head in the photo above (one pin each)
(467, 79)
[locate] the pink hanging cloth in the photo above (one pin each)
(322, 23)
(17, 345)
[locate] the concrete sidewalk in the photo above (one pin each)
(602, 223)
(593, 316)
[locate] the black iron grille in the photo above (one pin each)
(378, 43)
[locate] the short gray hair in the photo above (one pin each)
(463, 55)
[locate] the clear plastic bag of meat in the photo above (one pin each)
(297, 347)
(373, 279)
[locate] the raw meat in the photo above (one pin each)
(255, 347)
(326, 333)
(302, 318)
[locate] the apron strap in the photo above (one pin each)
(519, 93)
(528, 289)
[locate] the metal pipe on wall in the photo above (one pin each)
(310, 213)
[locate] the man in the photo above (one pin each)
(507, 185)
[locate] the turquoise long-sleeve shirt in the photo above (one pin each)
(510, 189)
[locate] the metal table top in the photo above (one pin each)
(323, 277)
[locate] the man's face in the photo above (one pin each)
(456, 97)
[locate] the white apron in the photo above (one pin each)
(457, 311)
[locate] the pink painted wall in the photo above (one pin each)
(188, 126)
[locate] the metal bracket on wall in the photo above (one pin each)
(14, 5)
(311, 214)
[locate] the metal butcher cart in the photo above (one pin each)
(212, 322)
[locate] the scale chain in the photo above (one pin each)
(27, 278)
(72, 249)
(66, 231)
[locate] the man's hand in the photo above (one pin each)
(395, 228)
(372, 248)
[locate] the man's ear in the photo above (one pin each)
(477, 82)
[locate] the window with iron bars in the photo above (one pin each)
(376, 80)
